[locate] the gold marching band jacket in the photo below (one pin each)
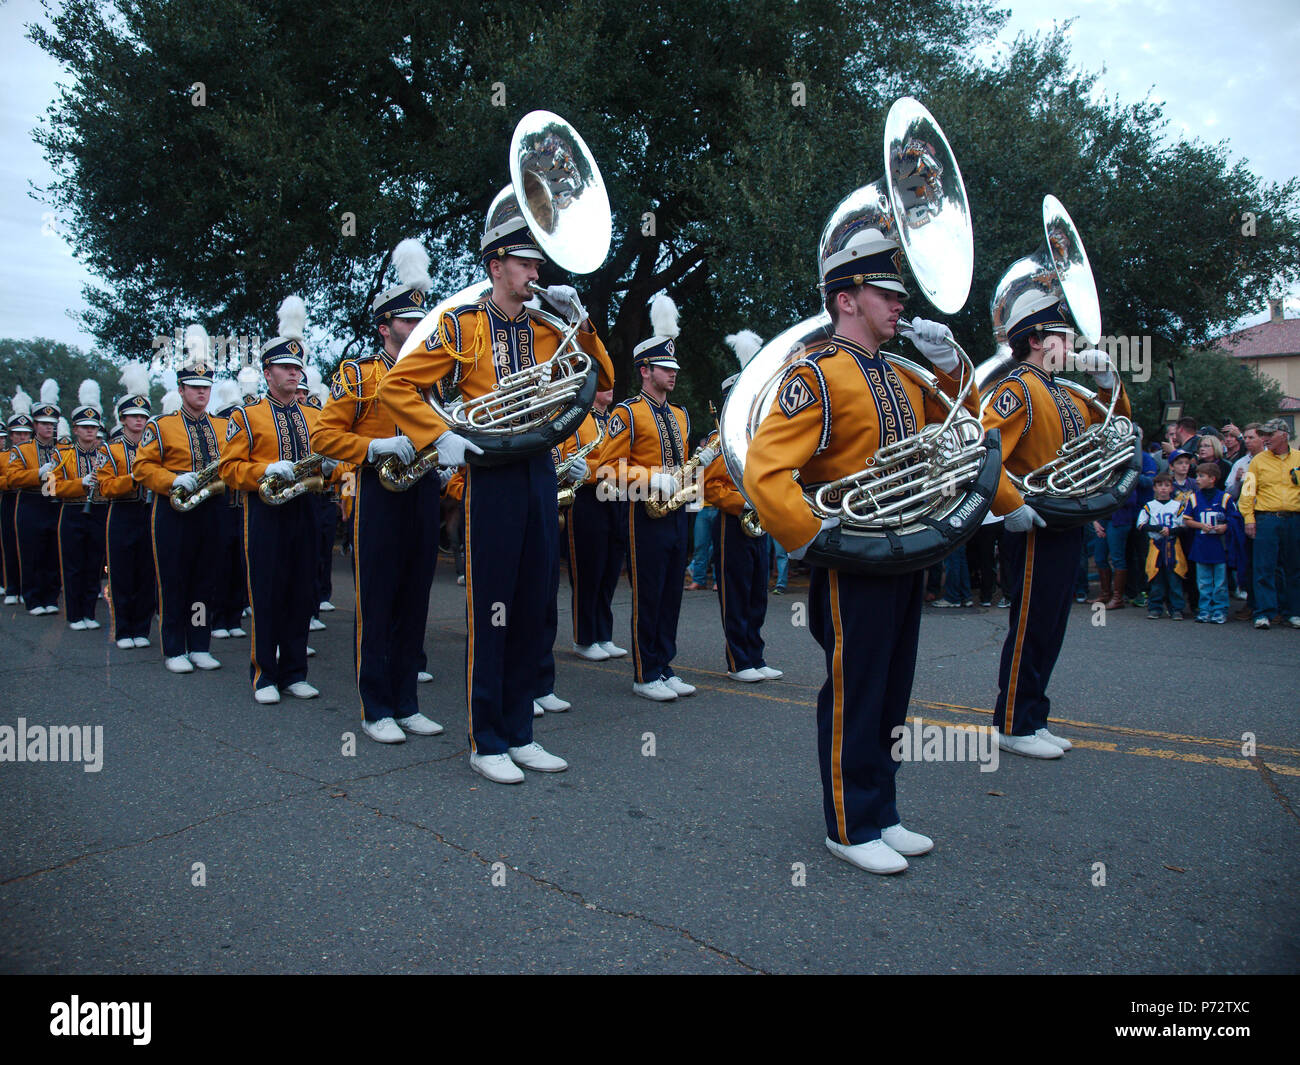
(115, 480)
(652, 438)
(720, 490)
(820, 425)
(75, 464)
(176, 443)
(1061, 416)
(25, 462)
(354, 417)
(259, 434)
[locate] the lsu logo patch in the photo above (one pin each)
(233, 426)
(795, 395)
(149, 435)
(616, 425)
(336, 387)
(1007, 403)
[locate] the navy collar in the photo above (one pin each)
(522, 316)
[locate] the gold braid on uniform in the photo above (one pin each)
(359, 394)
(482, 345)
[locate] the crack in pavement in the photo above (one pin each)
(1266, 775)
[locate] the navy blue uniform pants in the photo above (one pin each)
(511, 539)
(742, 591)
(868, 628)
(394, 552)
(81, 557)
(37, 519)
(132, 595)
(657, 548)
(280, 552)
(327, 519)
(596, 552)
(231, 591)
(9, 543)
(183, 548)
(1040, 567)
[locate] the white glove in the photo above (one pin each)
(578, 471)
(445, 474)
(1022, 519)
(452, 448)
(186, 482)
(933, 340)
(88, 481)
(400, 446)
(1098, 364)
(46, 469)
(663, 485)
(799, 552)
(564, 298)
(281, 469)
(328, 466)
(707, 455)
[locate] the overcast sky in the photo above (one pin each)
(1223, 72)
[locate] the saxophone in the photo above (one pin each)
(210, 484)
(398, 476)
(750, 524)
(565, 495)
(307, 477)
(688, 488)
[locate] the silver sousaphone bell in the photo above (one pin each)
(556, 187)
(1092, 474)
(921, 497)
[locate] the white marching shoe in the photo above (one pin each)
(1056, 741)
(679, 686)
(553, 703)
(656, 690)
(179, 664)
(384, 730)
(311, 652)
(78, 626)
(534, 756)
(419, 725)
(747, 676)
(908, 844)
(498, 768)
(424, 677)
(267, 696)
(612, 649)
(537, 709)
(316, 625)
(326, 606)
(300, 689)
(125, 642)
(1029, 746)
(592, 652)
(237, 631)
(10, 600)
(91, 623)
(769, 673)
(141, 641)
(875, 857)
(204, 660)
(221, 634)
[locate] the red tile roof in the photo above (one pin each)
(1289, 403)
(1263, 340)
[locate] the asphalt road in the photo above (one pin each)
(704, 856)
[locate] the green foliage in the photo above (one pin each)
(1214, 389)
(27, 363)
(215, 213)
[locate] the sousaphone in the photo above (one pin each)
(556, 185)
(920, 498)
(1094, 473)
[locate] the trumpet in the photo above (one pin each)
(276, 491)
(398, 476)
(210, 484)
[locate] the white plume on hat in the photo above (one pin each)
(225, 393)
(313, 378)
(198, 346)
(22, 402)
(88, 395)
(50, 391)
(63, 430)
(663, 316)
(248, 379)
(135, 379)
(746, 344)
(412, 263)
(292, 317)
(171, 402)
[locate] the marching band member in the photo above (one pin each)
(544, 697)
(4, 463)
(177, 446)
(1036, 416)
(20, 432)
(511, 521)
(36, 514)
(133, 595)
(392, 600)
(324, 509)
(83, 513)
(267, 438)
(596, 532)
(824, 424)
(231, 581)
(651, 436)
(742, 560)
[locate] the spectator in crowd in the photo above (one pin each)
(1181, 437)
(1252, 444)
(1207, 515)
(1270, 505)
(781, 560)
(1233, 447)
(956, 580)
(1180, 463)
(1210, 449)
(1166, 565)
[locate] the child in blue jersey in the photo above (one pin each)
(1207, 514)
(1166, 565)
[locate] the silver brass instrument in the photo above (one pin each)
(558, 188)
(750, 524)
(1092, 474)
(688, 484)
(210, 484)
(918, 499)
(307, 477)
